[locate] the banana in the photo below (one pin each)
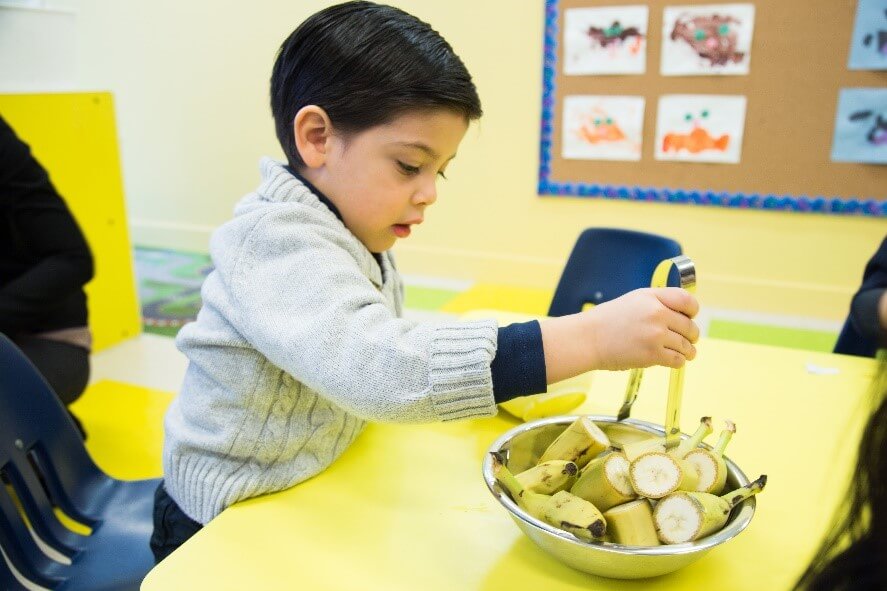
(688, 445)
(563, 509)
(687, 516)
(604, 482)
(631, 524)
(577, 516)
(657, 474)
(549, 477)
(710, 464)
(635, 449)
(579, 443)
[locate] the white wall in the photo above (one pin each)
(38, 42)
(190, 85)
(190, 80)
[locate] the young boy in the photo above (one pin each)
(300, 340)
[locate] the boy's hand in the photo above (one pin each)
(642, 328)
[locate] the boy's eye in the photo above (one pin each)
(407, 169)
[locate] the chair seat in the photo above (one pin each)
(118, 554)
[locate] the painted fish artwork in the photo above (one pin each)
(712, 39)
(605, 40)
(696, 141)
(602, 127)
(861, 126)
(700, 128)
(868, 46)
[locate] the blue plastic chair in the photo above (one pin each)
(606, 263)
(44, 461)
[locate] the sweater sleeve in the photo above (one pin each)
(43, 225)
(865, 317)
(864, 308)
(302, 299)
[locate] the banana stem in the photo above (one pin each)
(505, 477)
(688, 445)
(701, 432)
(740, 494)
(724, 439)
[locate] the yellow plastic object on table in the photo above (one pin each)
(561, 397)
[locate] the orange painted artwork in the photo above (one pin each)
(697, 140)
(600, 128)
(603, 127)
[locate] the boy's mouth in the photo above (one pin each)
(401, 230)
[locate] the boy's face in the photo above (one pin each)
(382, 179)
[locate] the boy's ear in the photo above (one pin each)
(312, 130)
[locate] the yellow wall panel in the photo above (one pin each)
(74, 137)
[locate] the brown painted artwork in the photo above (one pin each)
(712, 37)
(615, 34)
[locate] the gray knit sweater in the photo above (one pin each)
(299, 342)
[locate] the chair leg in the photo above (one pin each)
(20, 548)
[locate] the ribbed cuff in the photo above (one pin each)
(461, 383)
(198, 486)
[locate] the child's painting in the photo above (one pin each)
(605, 40)
(711, 39)
(700, 128)
(868, 47)
(603, 127)
(861, 126)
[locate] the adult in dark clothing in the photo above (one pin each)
(866, 328)
(44, 264)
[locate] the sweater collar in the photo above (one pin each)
(317, 192)
(282, 183)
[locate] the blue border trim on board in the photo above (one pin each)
(549, 186)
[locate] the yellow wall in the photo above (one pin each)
(191, 87)
(73, 137)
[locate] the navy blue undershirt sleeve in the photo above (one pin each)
(519, 366)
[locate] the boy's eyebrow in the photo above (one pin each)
(427, 149)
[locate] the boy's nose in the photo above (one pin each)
(427, 194)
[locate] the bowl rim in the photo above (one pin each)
(729, 531)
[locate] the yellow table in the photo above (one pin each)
(406, 507)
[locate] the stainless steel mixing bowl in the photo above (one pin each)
(523, 445)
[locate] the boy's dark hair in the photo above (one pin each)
(365, 64)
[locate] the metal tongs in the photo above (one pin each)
(687, 271)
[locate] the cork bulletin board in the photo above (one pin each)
(798, 65)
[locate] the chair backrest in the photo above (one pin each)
(43, 464)
(606, 263)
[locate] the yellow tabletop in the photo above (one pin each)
(406, 508)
